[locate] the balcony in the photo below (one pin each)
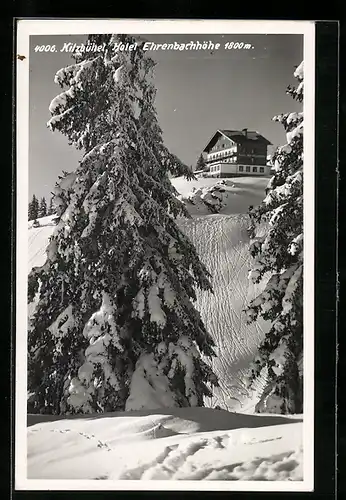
(222, 157)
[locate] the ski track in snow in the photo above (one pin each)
(222, 243)
(177, 462)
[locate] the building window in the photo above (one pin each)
(247, 169)
(262, 169)
(241, 168)
(254, 169)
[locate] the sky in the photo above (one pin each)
(198, 92)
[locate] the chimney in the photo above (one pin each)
(245, 131)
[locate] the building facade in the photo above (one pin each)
(231, 153)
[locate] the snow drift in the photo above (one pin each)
(176, 444)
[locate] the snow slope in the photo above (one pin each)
(38, 240)
(176, 444)
(222, 244)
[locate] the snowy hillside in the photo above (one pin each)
(222, 242)
(38, 240)
(179, 444)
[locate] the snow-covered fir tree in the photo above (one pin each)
(115, 326)
(42, 211)
(50, 210)
(33, 208)
(279, 254)
(201, 164)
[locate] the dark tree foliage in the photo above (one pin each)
(115, 306)
(279, 254)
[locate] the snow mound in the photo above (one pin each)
(48, 220)
(173, 444)
(212, 199)
(203, 196)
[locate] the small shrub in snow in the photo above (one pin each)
(212, 197)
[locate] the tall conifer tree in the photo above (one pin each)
(42, 211)
(51, 207)
(201, 164)
(115, 326)
(279, 253)
(33, 208)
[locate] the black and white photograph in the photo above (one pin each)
(165, 253)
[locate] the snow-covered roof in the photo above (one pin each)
(238, 136)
